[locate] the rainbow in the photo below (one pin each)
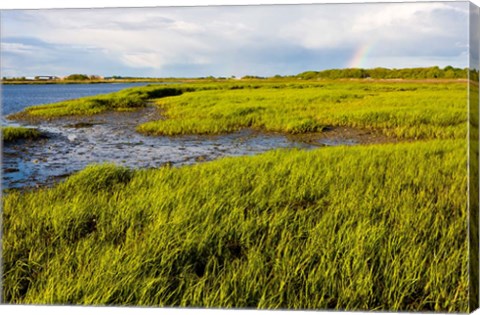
(360, 55)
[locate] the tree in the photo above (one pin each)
(77, 77)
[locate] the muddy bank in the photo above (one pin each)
(75, 142)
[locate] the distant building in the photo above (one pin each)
(46, 77)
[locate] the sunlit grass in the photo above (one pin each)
(380, 227)
(11, 134)
(124, 100)
(405, 110)
(375, 227)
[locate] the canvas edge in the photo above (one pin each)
(473, 156)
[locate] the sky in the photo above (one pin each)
(232, 40)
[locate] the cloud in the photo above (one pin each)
(29, 56)
(17, 48)
(223, 40)
(396, 27)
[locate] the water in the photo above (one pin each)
(16, 97)
(74, 143)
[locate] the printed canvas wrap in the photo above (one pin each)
(284, 157)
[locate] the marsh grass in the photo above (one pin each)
(124, 100)
(403, 110)
(375, 227)
(11, 134)
(420, 110)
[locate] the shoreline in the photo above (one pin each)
(216, 80)
(33, 82)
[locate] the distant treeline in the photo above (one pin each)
(435, 72)
(448, 72)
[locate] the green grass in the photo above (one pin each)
(123, 100)
(375, 227)
(11, 134)
(405, 110)
(421, 110)
(380, 227)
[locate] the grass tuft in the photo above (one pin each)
(11, 134)
(98, 178)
